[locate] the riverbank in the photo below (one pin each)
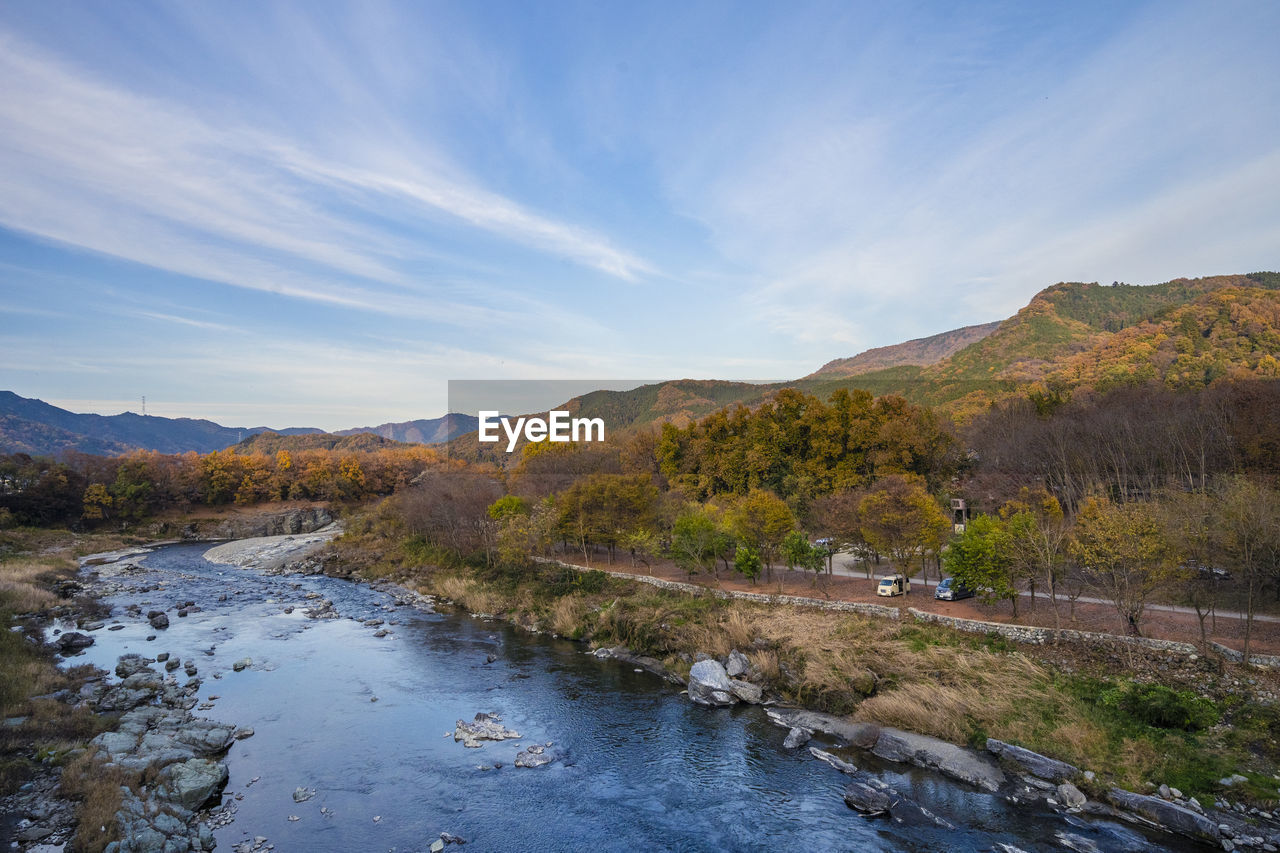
(1134, 721)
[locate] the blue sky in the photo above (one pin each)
(317, 213)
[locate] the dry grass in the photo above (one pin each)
(568, 615)
(98, 789)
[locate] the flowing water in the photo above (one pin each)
(363, 720)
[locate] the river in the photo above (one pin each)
(367, 722)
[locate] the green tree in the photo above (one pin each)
(747, 562)
(982, 558)
(695, 540)
(761, 520)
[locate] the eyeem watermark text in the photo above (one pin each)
(557, 426)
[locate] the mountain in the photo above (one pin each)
(424, 431)
(920, 352)
(272, 442)
(1183, 332)
(40, 429)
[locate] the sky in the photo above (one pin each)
(316, 213)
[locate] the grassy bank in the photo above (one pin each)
(1137, 722)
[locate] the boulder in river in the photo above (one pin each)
(159, 621)
(797, 738)
(483, 727)
(868, 800)
(836, 762)
(73, 641)
(192, 783)
(709, 684)
(1170, 816)
(534, 756)
(242, 664)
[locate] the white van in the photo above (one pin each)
(893, 585)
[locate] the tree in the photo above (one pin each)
(982, 558)
(1038, 529)
(694, 540)
(1124, 554)
(901, 519)
(747, 561)
(1249, 538)
(800, 554)
(761, 520)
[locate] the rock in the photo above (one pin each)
(1164, 792)
(861, 735)
(866, 799)
(1170, 816)
(484, 727)
(935, 754)
(437, 846)
(797, 738)
(838, 763)
(94, 626)
(127, 665)
(737, 665)
(534, 756)
(73, 641)
(242, 664)
(192, 783)
(750, 693)
(162, 657)
(709, 684)
(171, 664)
(1071, 796)
(242, 734)
(1033, 762)
(1233, 779)
(301, 795)
(159, 621)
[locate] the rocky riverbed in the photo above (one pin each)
(347, 690)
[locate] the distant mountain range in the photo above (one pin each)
(1185, 333)
(40, 429)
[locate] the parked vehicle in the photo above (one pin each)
(893, 585)
(952, 590)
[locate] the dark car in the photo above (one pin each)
(952, 590)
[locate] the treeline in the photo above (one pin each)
(1128, 443)
(95, 490)
(800, 447)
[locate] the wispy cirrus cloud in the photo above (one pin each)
(112, 171)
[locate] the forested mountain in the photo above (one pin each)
(1184, 333)
(272, 442)
(423, 430)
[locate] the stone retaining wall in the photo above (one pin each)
(1272, 661)
(1040, 636)
(761, 597)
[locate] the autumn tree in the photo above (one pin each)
(900, 519)
(1248, 536)
(1124, 552)
(1038, 533)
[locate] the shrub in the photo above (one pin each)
(1161, 707)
